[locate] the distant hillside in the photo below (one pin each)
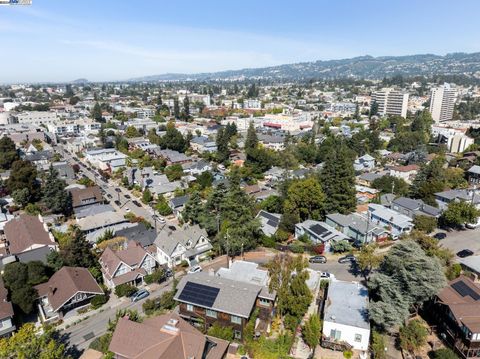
(367, 67)
(80, 81)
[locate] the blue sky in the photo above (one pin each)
(62, 40)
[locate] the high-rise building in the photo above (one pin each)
(442, 102)
(391, 102)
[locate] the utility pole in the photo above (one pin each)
(226, 247)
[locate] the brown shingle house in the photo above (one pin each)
(164, 337)
(27, 234)
(6, 312)
(67, 289)
(457, 311)
(82, 197)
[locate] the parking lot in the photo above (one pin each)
(463, 239)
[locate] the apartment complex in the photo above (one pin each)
(442, 102)
(391, 102)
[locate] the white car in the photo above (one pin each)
(195, 269)
(127, 209)
(473, 225)
(325, 275)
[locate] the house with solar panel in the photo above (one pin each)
(319, 233)
(456, 309)
(269, 222)
(205, 299)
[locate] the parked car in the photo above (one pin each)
(318, 259)
(168, 273)
(117, 202)
(142, 293)
(440, 236)
(159, 219)
(195, 269)
(109, 195)
(473, 225)
(465, 253)
(127, 196)
(136, 203)
(172, 228)
(346, 259)
(118, 190)
(324, 275)
(127, 209)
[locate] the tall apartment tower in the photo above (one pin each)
(391, 102)
(442, 102)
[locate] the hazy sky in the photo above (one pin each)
(62, 40)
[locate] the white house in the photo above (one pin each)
(346, 315)
(319, 232)
(106, 159)
(407, 173)
(189, 244)
(395, 222)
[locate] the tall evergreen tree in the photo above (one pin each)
(251, 141)
(8, 153)
(186, 108)
(176, 109)
(54, 195)
(97, 112)
(222, 145)
(338, 180)
(24, 175)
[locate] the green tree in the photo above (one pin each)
(23, 175)
(406, 278)
(31, 342)
(378, 345)
(132, 132)
(251, 141)
(176, 108)
(55, 197)
(445, 353)
(430, 179)
(459, 213)
(387, 184)
(311, 331)
(21, 197)
(368, 260)
(174, 172)
(205, 179)
(413, 335)
(147, 196)
(424, 223)
(305, 199)
(8, 153)
(173, 139)
(96, 113)
(338, 180)
(223, 152)
(186, 108)
(162, 206)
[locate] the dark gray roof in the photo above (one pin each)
(234, 297)
(179, 201)
(139, 233)
(37, 254)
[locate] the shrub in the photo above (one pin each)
(222, 332)
(444, 353)
(347, 354)
(413, 335)
(425, 223)
(184, 264)
(268, 242)
(98, 301)
(156, 277)
(297, 248)
(124, 290)
(453, 271)
(341, 246)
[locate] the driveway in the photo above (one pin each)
(463, 239)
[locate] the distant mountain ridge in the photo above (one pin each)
(367, 67)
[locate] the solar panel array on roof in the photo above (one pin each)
(272, 220)
(200, 294)
(464, 290)
(318, 229)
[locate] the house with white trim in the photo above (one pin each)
(126, 266)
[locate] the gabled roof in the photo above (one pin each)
(474, 169)
(139, 233)
(164, 337)
(6, 308)
(132, 256)
(25, 231)
(168, 240)
(65, 283)
(79, 195)
(269, 222)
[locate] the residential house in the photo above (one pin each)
(319, 233)
(104, 220)
(196, 168)
(86, 197)
(396, 223)
(173, 157)
(6, 312)
(166, 336)
(177, 204)
(138, 233)
(189, 243)
(456, 310)
(106, 159)
(365, 194)
(345, 318)
(364, 163)
(407, 173)
(126, 266)
(269, 222)
(202, 144)
(413, 207)
(206, 299)
(67, 289)
(65, 171)
(473, 174)
(357, 228)
(367, 178)
(445, 197)
(28, 238)
(93, 210)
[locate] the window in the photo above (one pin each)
(358, 338)
(211, 313)
(335, 334)
(237, 334)
(190, 307)
(264, 302)
(236, 320)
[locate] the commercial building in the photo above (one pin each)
(391, 102)
(442, 102)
